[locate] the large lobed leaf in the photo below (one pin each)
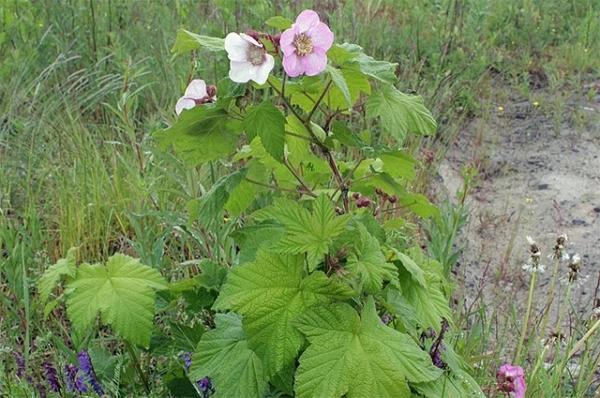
(368, 262)
(122, 292)
(271, 293)
(187, 41)
(201, 134)
(356, 356)
(63, 267)
(306, 232)
(400, 113)
(224, 356)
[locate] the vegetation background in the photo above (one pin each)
(83, 84)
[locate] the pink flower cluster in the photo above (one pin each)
(511, 380)
(303, 47)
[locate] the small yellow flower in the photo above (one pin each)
(536, 104)
(500, 109)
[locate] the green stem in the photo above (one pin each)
(318, 102)
(26, 302)
(585, 337)
(550, 296)
(526, 320)
(137, 366)
(557, 327)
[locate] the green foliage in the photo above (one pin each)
(187, 41)
(224, 355)
(400, 113)
(51, 277)
(267, 122)
(357, 356)
(271, 293)
(306, 232)
(279, 22)
(201, 134)
(368, 262)
(121, 291)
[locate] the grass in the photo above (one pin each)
(83, 84)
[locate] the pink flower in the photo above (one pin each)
(196, 93)
(305, 45)
(511, 379)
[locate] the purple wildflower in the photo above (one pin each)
(386, 319)
(51, 376)
(205, 386)
(41, 390)
(186, 357)
(20, 362)
(85, 364)
(75, 382)
(435, 352)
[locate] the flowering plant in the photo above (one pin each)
(324, 298)
(313, 282)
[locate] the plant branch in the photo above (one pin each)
(274, 187)
(305, 187)
(137, 366)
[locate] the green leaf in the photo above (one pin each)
(187, 41)
(306, 232)
(201, 134)
(212, 276)
(358, 356)
(419, 204)
(415, 271)
(267, 122)
(122, 291)
(340, 82)
(368, 262)
(252, 237)
(51, 277)
(279, 22)
(271, 293)
(354, 81)
(454, 385)
(345, 136)
(210, 206)
(398, 164)
(224, 356)
(400, 113)
(351, 53)
(429, 302)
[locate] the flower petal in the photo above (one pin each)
(286, 41)
(292, 65)
(306, 20)
(236, 47)
(314, 63)
(240, 72)
(184, 103)
(250, 39)
(196, 89)
(261, 73)
(321, 36)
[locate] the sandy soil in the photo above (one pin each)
(533, 182)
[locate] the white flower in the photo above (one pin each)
(531, 268)
(530, 240)
(564, 256)
(248, 59)
(195, 94)
(576, 259)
